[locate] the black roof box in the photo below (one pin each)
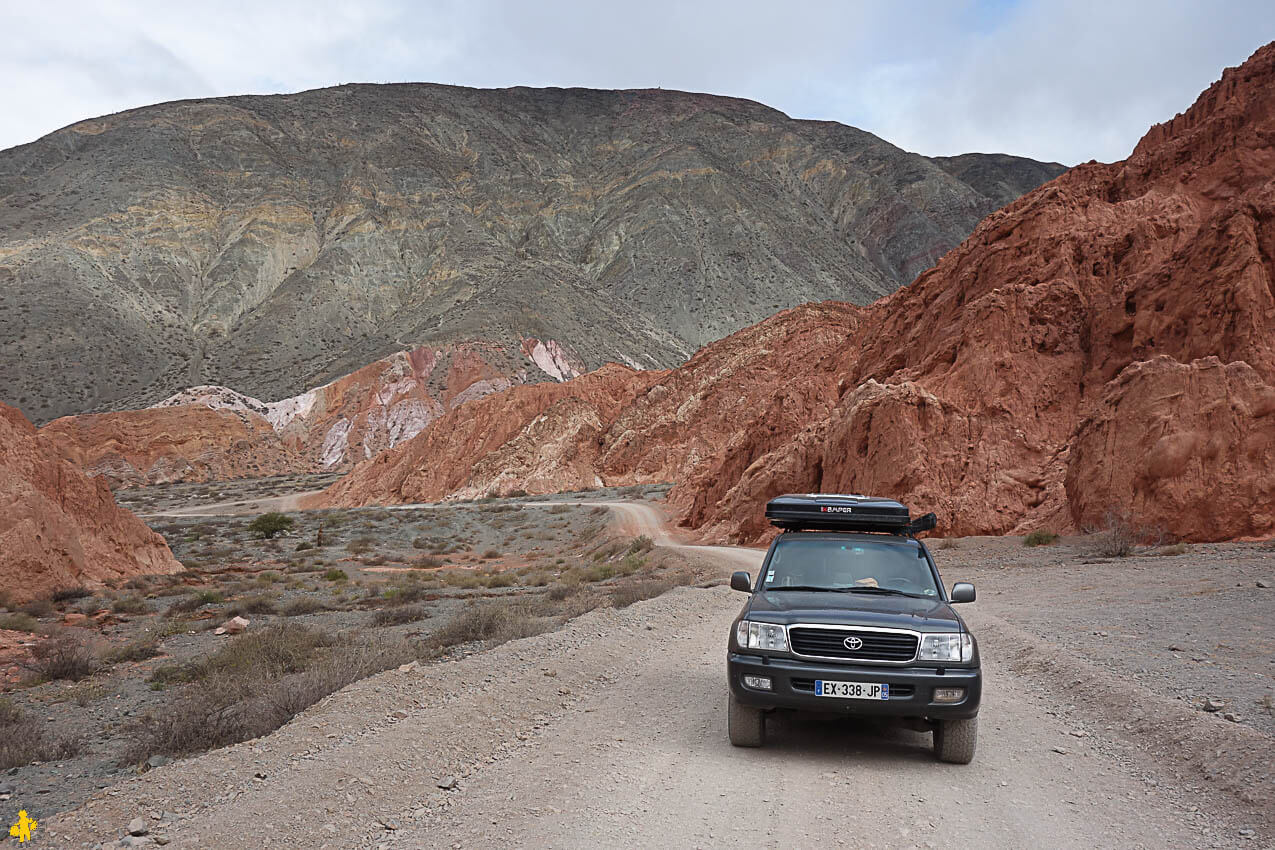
(832, 512)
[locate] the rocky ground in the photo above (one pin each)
(380, 581)
(1121, 691)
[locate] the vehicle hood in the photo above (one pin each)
(854, 609)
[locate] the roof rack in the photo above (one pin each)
(841, 512)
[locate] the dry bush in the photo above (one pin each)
(63, 656)
(258, 683)
(948, 543)
(1040, 537)
(399, 614)
(23, 740)
(426, 562)
(494, 621)
(131, 604)
(259, 604)
(19, 622)
(360, 545)
(66, 594)
(137, 650)
(1116, 539)
(626, 594)
(1175, 549)
(38, 608)
(640, 545)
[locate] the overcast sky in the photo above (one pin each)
(1066, 81)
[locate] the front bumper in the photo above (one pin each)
(911, 688)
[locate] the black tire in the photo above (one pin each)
(745, 725)
(955, 740)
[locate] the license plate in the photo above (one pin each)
(851, 690)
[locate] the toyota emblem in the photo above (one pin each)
(853, 643)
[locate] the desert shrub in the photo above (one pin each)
(259, 604)
(1175, 549)
(63, 656)
(495, 621)
(641, 544)
(254, 685)
(335, 574)
(517, 493)
(1117, 537)
(303, 546)
(194, 601)
(66, 594)
(19, 622)
(560, 509)
(559, 592)
(300, 607)
(137, 650)
(421, 542)
(399, 614)
(491, 554)
(38, 608)
(1040, 537)
(271, 525)
(501, 579)
(131, 604)
(360, 545)
(427, 562)
(24, 740)
(635, 591)
(948, 543)
(465, 579)
(403, 595)
(269, 577)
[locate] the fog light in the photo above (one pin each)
(757, 683)
(949, 694)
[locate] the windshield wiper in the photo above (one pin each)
(887, 590)
(809, 587)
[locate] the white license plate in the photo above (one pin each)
(851, 690)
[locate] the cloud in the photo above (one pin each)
(1067, 82)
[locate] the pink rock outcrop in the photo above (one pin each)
(59, 528)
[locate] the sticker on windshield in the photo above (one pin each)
(770, 576)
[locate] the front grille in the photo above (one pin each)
(830, 643)
(896, 691)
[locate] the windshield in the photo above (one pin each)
(826, 563)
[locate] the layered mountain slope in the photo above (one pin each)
(214, 433)
(273, 244)
(1106, 344)
(60, 529)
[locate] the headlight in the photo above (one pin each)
(952, 648)
(750, 635)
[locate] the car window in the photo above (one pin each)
(832, 563)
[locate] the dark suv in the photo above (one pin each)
(849, 616)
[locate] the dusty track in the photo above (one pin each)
(611, 732)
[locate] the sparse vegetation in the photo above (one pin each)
(271, 525)
(23, 740)
(67, 594)
(63, 656)
(130, 605)
(397, 615)
(254, 685)
(626, 594)
(495, 621)
(301, 607)
(1116, 539)
(137, 650)
(335, 574)
(1040, 537)
(19, 622)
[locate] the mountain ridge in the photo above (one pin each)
(273, 243)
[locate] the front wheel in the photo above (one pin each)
(956, 739)
(745, 725)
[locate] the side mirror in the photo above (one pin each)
(741, 581)
(963, 591)
(923, 523)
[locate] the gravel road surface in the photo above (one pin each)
(611, 732)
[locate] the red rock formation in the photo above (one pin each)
(59, 528)
(186, 443)
(538, 438)
(1006, 388)
(213, 433)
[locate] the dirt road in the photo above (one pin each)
(611, 733)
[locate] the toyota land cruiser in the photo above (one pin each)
(849, 615)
